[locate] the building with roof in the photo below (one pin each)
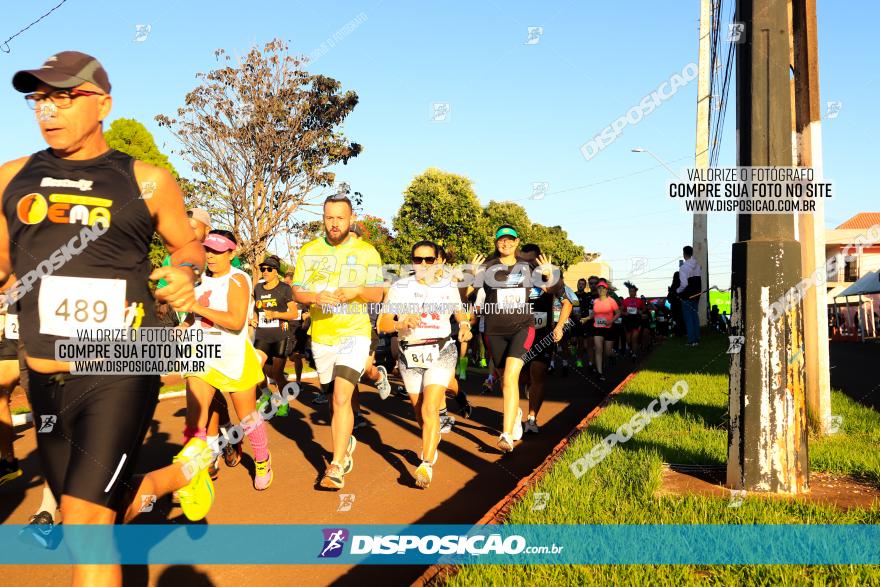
(854, 314)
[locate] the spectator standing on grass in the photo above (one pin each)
(689, 290)
(675, 305)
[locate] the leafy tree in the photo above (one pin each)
(442, 207)
(498, 213)
(554, 242)
(261, 135)
(133, 138)
(378, 234)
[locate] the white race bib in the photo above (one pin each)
(540, 320)
(602, 322)
(631, 310)
(10, 330)
(263, 323)
(512, 297)
(422, 356)
(70, 303)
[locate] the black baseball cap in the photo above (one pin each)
(67, 69)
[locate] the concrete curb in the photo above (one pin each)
(498, 513)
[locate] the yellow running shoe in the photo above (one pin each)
(197, 496)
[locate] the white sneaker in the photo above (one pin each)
(505, 442)
(531, 426)
(383, 386)
(446, 424)
(424, 474)
(518, 426)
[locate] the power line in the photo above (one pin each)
(5, 46)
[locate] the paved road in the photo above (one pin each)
(470, 477)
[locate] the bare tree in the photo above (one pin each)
(260, 135)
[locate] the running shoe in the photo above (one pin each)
(263, 475)
(197, 496)
(214, 468)
(465, 410)
(424, 474)
(360, 421)
(9, 470)
(446, 424)
(488, 386)
(333, 477)
(505, 442)
(320, 399)
(580, 364)
(283, 408)
(401, 391)
(518, 426)
(232, 454)
(42, 531)
(462, 368)
(531, 426)
(483, 363)
(349, 459)
(383, 386)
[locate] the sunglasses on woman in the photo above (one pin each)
(265, 269)
(419, 260)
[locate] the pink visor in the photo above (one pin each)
(219, 243)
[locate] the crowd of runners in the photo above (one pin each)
(509, 311)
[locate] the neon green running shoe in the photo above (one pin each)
(197, 496)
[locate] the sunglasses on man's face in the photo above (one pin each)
(265, 269)
(419, 260)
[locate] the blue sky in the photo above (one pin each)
(519, 112)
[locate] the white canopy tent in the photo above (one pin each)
(868, 284)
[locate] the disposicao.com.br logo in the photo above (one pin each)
(403, 544)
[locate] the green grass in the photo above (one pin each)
(621, 489)
(20, 410)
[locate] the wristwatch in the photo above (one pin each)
(197, 272)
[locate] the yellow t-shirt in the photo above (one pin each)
(322, 267)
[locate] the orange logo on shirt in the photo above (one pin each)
(32, 208)
(65, 209)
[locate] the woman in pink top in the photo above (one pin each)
(605, 311)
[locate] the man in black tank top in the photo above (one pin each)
(75, 229)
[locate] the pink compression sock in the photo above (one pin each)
(259, 441)
(189, 433)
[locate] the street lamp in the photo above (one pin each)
(659, 160)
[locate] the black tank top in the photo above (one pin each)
(47, 205)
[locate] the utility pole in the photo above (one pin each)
(701, 156)
(767, 439)
(811, 227)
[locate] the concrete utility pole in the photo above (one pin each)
(767, 441)
(701, 159)
(811, 227)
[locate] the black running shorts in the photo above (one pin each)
(273, 349)
(9, 349)
(90, 429)
(515, 345)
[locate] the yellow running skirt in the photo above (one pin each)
(251, 375)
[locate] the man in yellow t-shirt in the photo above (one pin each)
(338, 275)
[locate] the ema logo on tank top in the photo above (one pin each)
(34, 208)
